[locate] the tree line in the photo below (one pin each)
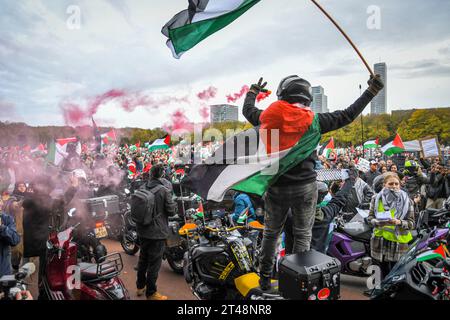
(410, 124)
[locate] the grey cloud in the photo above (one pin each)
(421, 68)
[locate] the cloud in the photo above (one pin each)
(120, 46)
(422, 68)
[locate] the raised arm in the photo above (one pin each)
(334, 120)
(250, 112)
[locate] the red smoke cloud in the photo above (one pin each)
(74, 114)
(207, 94)
(178, 121)
(204, 113)
(236, 96)
(262, 95)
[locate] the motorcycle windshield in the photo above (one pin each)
(399, 268)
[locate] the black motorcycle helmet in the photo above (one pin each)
(295, 89)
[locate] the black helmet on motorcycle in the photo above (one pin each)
(295, 89)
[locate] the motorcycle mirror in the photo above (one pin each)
(27, 270)
(71, 212)
(49, 245)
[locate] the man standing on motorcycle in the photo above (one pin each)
(153, 237)
(295, 189)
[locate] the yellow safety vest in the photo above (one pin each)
(388, 232)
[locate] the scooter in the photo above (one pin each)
(66, 279)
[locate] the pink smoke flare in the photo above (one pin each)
(207, 94)
(178, 121)
(232, 98)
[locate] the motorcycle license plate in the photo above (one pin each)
(101, 232)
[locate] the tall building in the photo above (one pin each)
(223, 113)
(379, 103)
(320, 100)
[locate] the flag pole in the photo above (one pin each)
(345, 35)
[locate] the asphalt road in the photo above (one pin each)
(175, 287)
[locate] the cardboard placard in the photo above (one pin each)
(363, 165)
(430, 147)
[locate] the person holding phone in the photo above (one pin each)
(392, 215)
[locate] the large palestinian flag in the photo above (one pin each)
(61, 149)
(253, 160)
(201, 19)
(393, 147)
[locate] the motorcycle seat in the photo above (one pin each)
(89, 271)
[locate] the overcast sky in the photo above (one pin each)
(120, 46)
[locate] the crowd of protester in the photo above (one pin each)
(32, 187)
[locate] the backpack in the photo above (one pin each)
(143, 205)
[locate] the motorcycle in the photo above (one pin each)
(115, 223)
(350, 244)
(219, 264)
(66, 279)
(12, 286)
(420, 274)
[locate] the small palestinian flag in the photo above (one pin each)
(160, 144)
(39, 149)
(244, 216)
(439, 253)
(108, 137)
(131, 169)
(200, 212)
(327, 148)
(393, 147)
(371, 144)
(201, 19)
(250, 162)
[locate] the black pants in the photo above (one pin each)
(150, 259)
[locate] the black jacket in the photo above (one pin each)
(158, 229)
(369, 176)
(436, 187)
(304, 172)
(37, 211)
(319, 240)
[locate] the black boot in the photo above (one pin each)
(264, 283)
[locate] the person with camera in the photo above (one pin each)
(413, 178)
(153, 233)
(435, 191)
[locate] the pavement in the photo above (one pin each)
(175, 287)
